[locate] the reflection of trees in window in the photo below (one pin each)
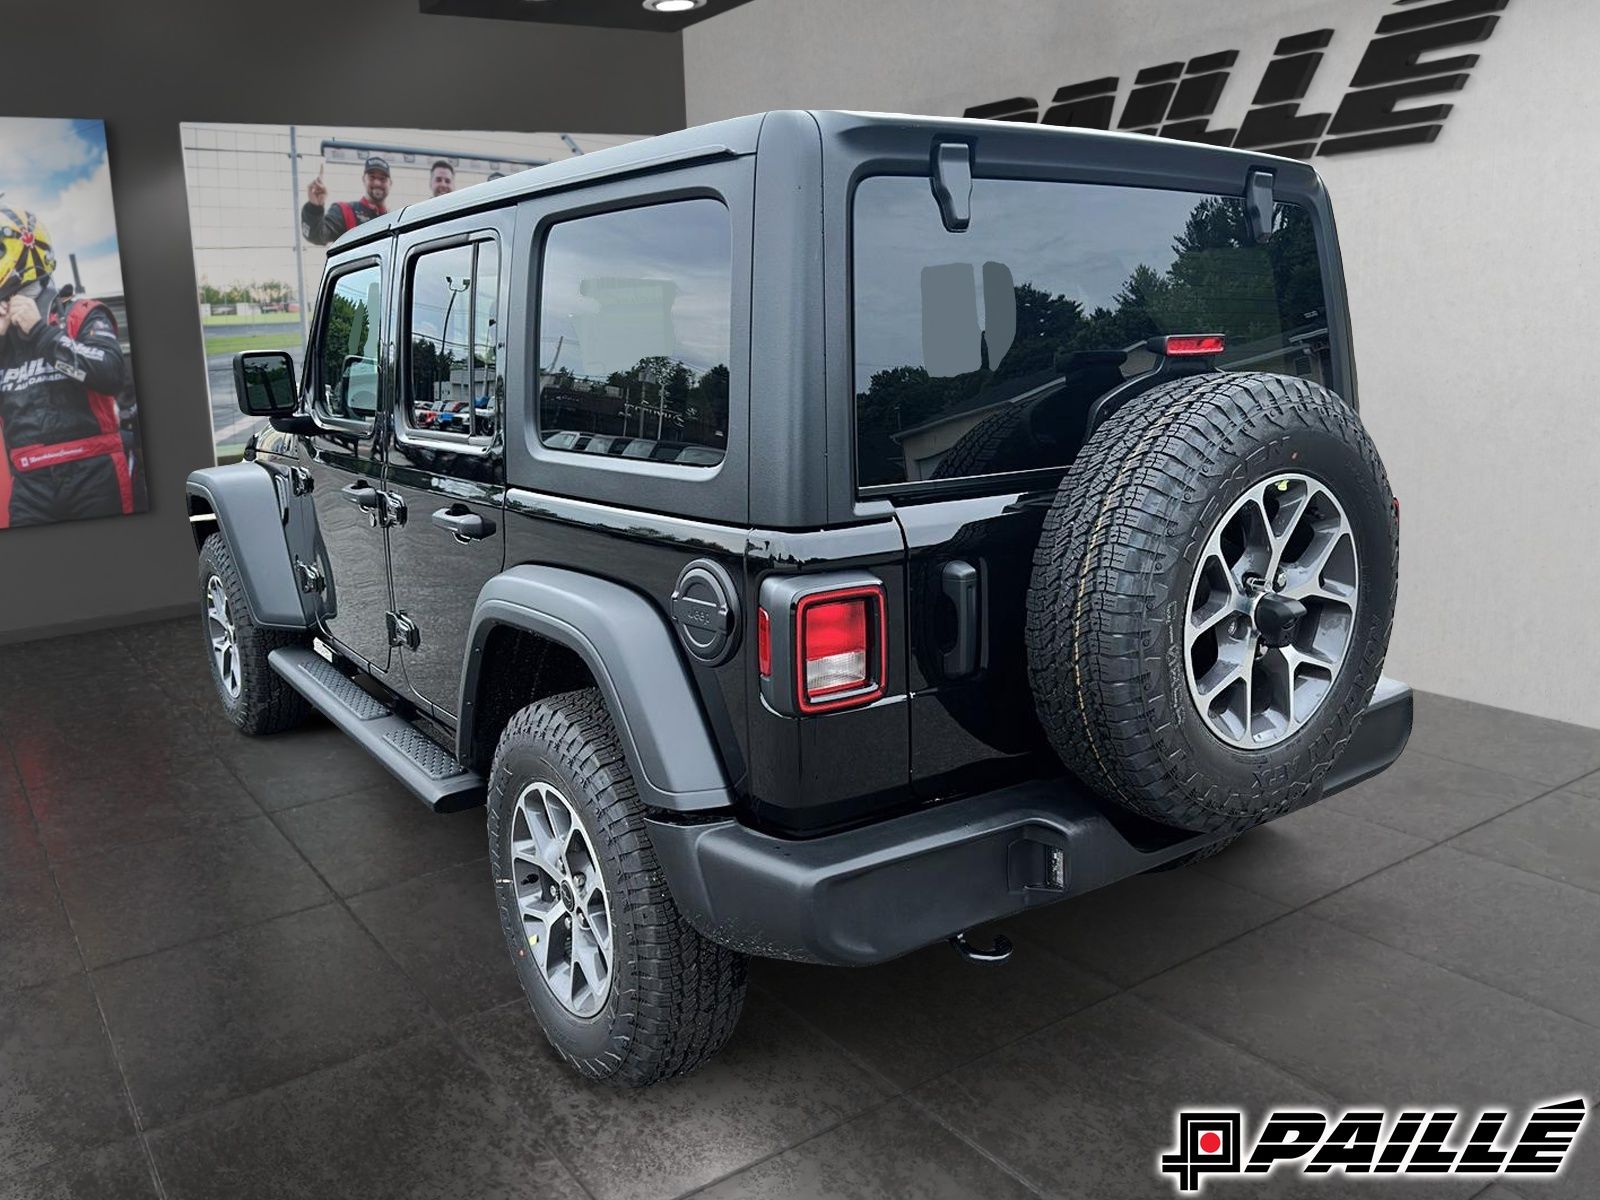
(346, 317)
(1220, 281)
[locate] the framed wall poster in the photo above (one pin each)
(69, 421)
(265, 201)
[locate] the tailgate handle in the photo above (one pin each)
(960, 581)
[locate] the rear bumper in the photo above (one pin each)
(874, 893)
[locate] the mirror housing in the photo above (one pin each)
(264, 383)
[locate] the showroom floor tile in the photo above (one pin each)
(1557, 835)
(214, 1019)
(775, 1084)
(158, 894)
(960, 1012)
(416, 1122)
(243, 968)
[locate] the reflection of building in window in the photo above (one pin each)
(659, 398)
(635, 333)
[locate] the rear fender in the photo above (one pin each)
(633, 655)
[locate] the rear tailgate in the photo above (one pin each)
(979, 355)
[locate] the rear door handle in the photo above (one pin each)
(960, 582)
(465, 526)
(361, 493)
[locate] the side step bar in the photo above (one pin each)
(407, 753)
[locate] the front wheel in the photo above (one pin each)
(253, 695)
(625, 989)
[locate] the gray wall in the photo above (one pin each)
(144, 68)
(1472, 266)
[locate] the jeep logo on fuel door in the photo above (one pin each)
(1179, 99)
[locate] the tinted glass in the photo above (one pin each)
(349, 342)
(452, 384)
(635, 331)
(979, 353)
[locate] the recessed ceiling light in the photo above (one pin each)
(673, 6)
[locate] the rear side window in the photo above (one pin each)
(451, 380)
(979, 353)
(635, 333)
(349, 345)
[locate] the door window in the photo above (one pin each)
(348, 338)
(453, 387)
(635, 333)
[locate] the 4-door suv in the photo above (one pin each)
(854, 529)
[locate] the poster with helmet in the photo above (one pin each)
(266, 202)
(69, 422)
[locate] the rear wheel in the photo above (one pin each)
(1212, 597)
(253, 695)
(625, 989)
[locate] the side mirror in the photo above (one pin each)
(264, 383)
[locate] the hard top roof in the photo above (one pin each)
(730, 138)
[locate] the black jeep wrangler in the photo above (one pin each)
(817, 534)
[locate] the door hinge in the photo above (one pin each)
(301, 481)
(403, 630)
(310, 578)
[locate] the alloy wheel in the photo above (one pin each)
(561, 896)
(223, 637)
(1271, 611)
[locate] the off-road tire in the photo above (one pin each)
(1109, 595)
(265, 703)
(675, 997)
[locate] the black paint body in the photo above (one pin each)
(784, 498)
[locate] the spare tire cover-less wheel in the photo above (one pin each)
(1211, 599)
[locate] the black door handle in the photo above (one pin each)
(960, 580)
(360, 493)
(465, 526)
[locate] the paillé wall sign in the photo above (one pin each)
(1179, 99)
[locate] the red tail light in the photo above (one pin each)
(1190, 345)
(842, 651)
(764, 643)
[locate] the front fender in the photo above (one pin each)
(633, 656)
(250, 515)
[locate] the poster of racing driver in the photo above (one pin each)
(68, 420)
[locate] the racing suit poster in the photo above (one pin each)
(267, 201)
(69, 422)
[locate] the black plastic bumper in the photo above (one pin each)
(874, 893)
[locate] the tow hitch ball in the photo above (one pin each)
(997, 953)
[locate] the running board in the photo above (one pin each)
(407, 753)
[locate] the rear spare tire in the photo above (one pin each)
(1211, 598)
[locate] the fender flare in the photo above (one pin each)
(250, 516)
(633, 655)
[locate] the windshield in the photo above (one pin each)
(979, 353)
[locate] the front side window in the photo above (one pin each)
(635, 334)
(981, 352)
(452, 385)
(348, 339)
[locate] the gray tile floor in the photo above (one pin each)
(255, 968)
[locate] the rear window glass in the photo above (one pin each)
(635, 333)
(979, 353)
